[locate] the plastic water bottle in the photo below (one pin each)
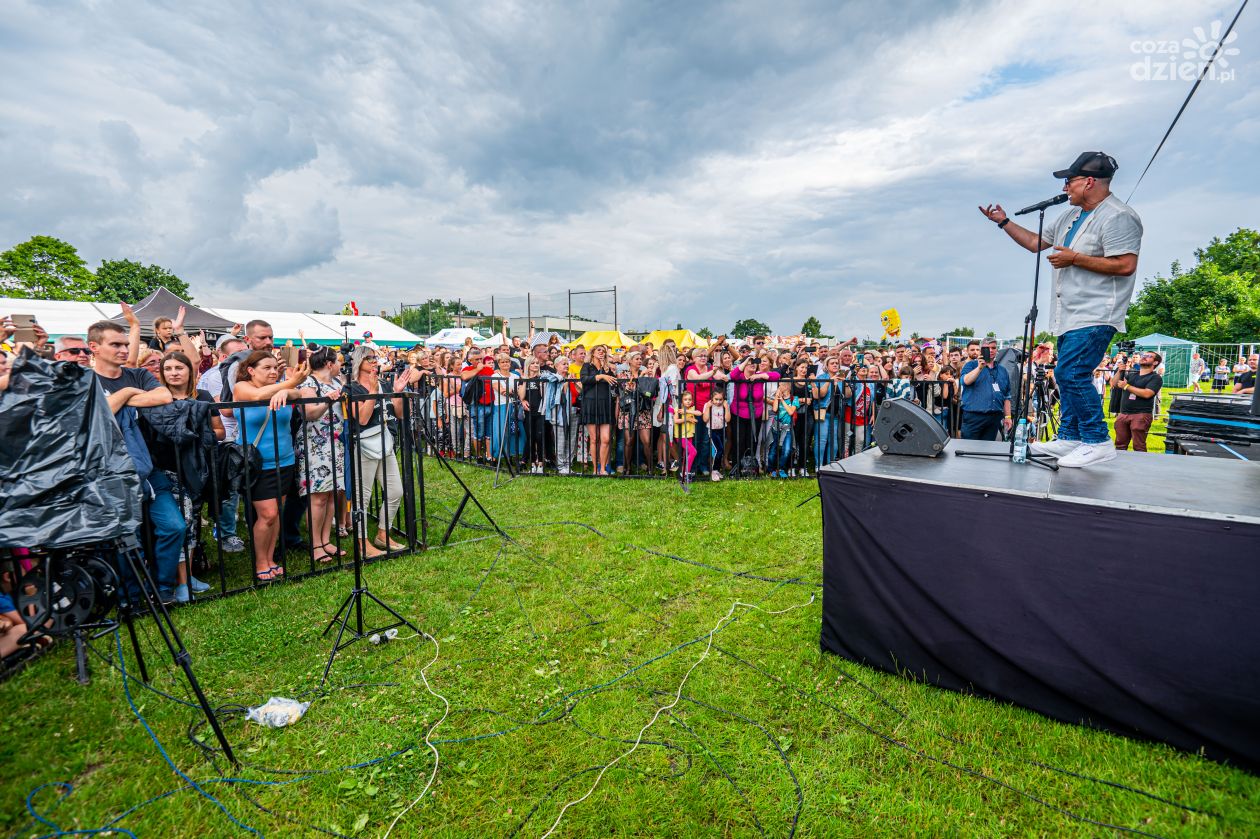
(1021, 441)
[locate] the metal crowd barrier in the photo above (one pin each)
(504, 434)
(393, 483)
(431, 416)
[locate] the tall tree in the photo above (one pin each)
(45, 268)
(704, 332)
(749, 326)
(811, 327)
(122, 279)
(1216, 301)
(962, 331)
(1239, 253)
(429, 317)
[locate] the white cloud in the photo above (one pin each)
(712, 163)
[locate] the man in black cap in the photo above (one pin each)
(1095, 257)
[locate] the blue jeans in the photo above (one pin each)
(1080, 409)
(825, 432)
(227, 515)
(977, 425)
(780, 447)
(168, 531)
(703, 448)
(498, 431)
(716, 447)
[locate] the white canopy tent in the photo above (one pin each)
(383, 331)
(284, 325)
(72, 317)
(324, 329)
(455, 336)
(59, 317)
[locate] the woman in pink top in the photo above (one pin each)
(749, 405)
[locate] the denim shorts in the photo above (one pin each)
(482, 416)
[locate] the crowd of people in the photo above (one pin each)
(752, 407)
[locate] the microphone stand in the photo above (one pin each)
(1030, 333)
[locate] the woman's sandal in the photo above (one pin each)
(268, 576)
(331, 553)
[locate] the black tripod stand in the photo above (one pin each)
(46, 601)
(129, 553)
(353, 604)
(1021, 397)
(425, 435)
(1041, 406)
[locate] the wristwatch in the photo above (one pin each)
(1003, 223)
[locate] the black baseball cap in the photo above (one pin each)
(1090, 164)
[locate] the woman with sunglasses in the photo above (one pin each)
(374, 448)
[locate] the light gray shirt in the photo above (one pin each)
(1080, 297)
(212, 382)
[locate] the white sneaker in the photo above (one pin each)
(715, 475)
(1055, 448)
(1087, 455)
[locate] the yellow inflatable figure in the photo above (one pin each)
(891, 322)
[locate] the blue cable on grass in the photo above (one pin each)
(57, 831)
(122, 665)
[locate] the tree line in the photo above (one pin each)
(46, 268)
(1216, 301)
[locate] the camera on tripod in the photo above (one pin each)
(347, 347)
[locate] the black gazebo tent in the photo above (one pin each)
(164, 303)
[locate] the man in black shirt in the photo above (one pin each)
(1138, 390)
(129, 388)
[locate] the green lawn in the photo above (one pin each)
(555, 652)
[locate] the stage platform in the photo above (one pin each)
(1124, 596)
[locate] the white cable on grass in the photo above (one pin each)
(437, 651)
(664, 708)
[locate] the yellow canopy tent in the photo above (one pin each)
(683, 338)
(613, 339)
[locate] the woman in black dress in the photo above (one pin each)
(803, 424)
(597, 406)
(529, 392)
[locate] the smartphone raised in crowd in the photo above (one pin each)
(986, 352)
(24, 331)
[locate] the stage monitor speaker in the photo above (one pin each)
(902, 427)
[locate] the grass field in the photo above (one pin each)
(556, 649)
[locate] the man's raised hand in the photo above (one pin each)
(994, 213)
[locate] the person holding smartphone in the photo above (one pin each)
(986, 396)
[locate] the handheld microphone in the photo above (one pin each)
(1041, 205)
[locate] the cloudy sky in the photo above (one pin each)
(713, 161)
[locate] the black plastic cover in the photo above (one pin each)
(65, 476)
